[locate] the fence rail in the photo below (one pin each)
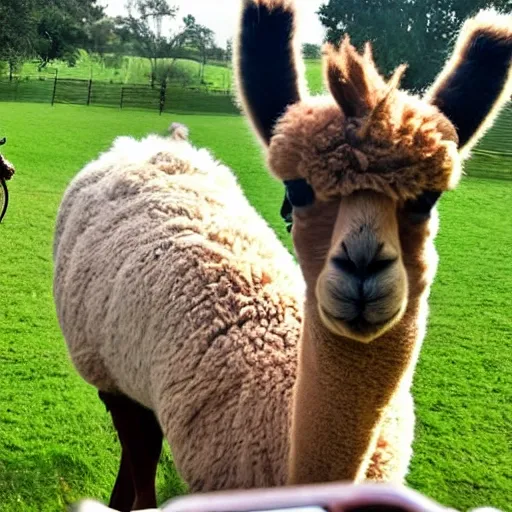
(164, 97)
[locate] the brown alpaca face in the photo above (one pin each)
(351, 257)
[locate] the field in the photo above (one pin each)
(56, 441)
(136, 70)
(127, 70)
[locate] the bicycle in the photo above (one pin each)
(6, 173)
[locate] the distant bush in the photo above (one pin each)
(113, 61)
(311, 51)
(176, 73)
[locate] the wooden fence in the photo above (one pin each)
(164, 97)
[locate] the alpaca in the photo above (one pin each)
(180, 305)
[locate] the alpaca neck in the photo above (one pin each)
(343, 387)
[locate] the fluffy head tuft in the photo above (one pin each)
(353, 79)
(374, 137)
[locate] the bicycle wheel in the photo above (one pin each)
(4, 199)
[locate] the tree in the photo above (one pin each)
(311, 51)
(48, 29)
(143, 28)
(200, 37)
(229, 49)
(102, 36)
(217, 53)
(84, 11)
(59, 37)
(18, 28)
(417, 32)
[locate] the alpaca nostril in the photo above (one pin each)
(346, 265)
(363, 270)
(377, 266)
(363, 260)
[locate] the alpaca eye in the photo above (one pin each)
(299, 193)
(419, 209)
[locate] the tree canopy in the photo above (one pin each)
(416, 32)
(201, 37)
(47, 29)
(18, 31)
(50, 30)
(311, 51)
(143, 29)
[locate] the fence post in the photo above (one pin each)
(55, 86)
(89, 93)
(162, 96)
(122, 96)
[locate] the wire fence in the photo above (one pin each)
(162, 98)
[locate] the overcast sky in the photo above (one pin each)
(221, 16)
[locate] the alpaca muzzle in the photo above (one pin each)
(363, 288)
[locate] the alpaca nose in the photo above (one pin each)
(361, 277)
(362, 280)
(363, 266)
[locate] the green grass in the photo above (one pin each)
(56, 441)
(314, 76)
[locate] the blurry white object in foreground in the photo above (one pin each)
(94, 506)
(312, 498)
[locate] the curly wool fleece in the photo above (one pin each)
(172, 290)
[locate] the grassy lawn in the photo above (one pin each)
(56, 441)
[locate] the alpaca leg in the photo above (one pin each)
(144, 456)
(141, 440)
(123, 495)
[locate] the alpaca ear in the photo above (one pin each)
(268, 62)
(477, 80)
